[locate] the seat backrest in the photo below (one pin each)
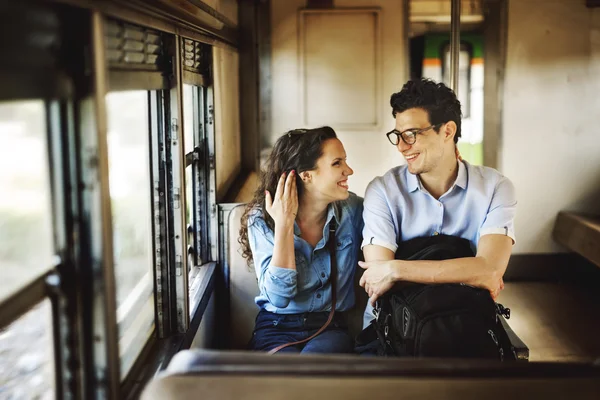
(224, 375)
(243, 287)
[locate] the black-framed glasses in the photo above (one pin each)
(409, 136)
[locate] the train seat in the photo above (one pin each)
(243, 286)
(225, 375)
(580, 234)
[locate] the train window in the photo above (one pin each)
(130, 190)
(26, 247)
(188, 118)
(27, 366)
(188, 131)
(195, 178)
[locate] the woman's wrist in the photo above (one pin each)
(285, 226)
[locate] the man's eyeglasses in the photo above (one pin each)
(409, 136)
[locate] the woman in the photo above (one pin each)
(285, 232)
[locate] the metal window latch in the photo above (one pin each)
(174, 127)
(196, 154)
(176, 198)
(178, 266)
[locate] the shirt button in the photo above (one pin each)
(339, 244)
(440, 204)
(318, 295)
(322, 274)
(436, 233)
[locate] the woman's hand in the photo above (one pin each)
(283, 206)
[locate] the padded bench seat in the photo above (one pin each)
(579, 233)
(223, 375)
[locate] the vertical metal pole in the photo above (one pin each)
(454, 44)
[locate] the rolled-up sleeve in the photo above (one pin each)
(501, 214)
(276, 283)
(379, 228)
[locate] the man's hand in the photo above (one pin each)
(378, 278)
(496, 289)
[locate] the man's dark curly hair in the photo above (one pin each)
(437, 99)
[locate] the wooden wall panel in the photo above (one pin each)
(227, 118)
(340, 67)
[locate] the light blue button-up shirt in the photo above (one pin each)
(308, 288)
(398, 208)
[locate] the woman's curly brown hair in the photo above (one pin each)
(297, 150)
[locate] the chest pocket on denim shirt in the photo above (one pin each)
(344, 251)
(304, 271)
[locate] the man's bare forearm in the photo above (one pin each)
(484, 270)
(474, 271)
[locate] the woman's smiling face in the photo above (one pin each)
(329, 181)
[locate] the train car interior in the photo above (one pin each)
(134, 134)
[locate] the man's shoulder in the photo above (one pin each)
(484, 176)
(393, 179)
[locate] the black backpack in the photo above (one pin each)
(443, 320)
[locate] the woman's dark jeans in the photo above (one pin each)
(272, 330)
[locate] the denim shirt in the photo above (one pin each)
(308, 288)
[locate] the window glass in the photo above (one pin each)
(188, 126)
(130, 193)
(27, 356)
(189, 216)
(188, 117)
(26, 247)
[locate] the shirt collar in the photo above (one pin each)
(413, 182)
(333, 211)
(461, 178)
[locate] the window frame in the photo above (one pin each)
(196, 66)
(158, 102)
(196, 160)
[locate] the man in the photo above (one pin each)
(434, 193)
